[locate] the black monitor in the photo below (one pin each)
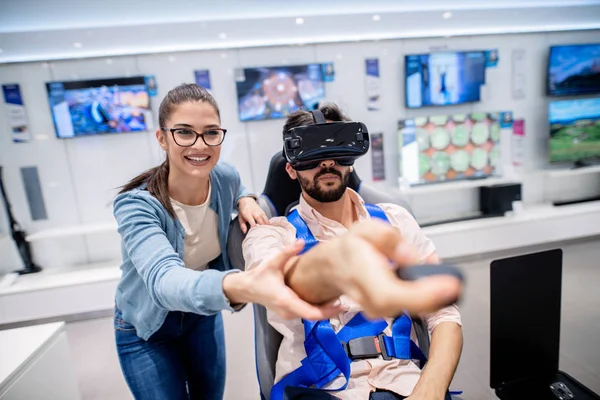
(525, 317)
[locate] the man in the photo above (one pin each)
(338, 219)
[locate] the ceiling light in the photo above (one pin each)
(223, 55)
(109, 61)
(222, 36)
(1, 51)
(376, 17)
(299, 21)
(77, 45)
(172, 59)
(447, 15)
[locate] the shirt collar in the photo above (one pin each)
(310, 215)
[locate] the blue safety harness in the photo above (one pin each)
(328, 354)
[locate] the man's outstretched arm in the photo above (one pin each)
(358, 264)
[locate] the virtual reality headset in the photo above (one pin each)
(306, 146)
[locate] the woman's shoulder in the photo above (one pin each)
(138, 198)
(225, 170)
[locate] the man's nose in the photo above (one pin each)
(327, 163)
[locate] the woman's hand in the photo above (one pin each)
(265, 285)
(250, 212)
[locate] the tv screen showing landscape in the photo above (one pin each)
(276, 92)
(91, 107)
(574, 130)
(574, 70)
(441, 79)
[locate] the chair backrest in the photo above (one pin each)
(279, 193)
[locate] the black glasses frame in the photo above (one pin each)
(172, 130)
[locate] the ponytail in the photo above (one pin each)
(157, 183)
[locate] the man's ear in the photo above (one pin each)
(351, 169)
(291, 171)
(162, 139)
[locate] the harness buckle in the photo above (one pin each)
(366, 347)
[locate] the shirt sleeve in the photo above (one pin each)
(263, 242)
(410, 229)
(446, 314)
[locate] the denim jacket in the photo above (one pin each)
(154, 279)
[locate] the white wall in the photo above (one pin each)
(79, 176)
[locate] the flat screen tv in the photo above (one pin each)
(275, 92)
(441, 79)
(574, 70)
(451, 147)
(101, 106)
(574, 130)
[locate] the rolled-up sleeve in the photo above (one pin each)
(446, 314)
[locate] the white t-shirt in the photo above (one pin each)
(201, 241)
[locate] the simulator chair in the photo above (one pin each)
(280, 195)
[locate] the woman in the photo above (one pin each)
(173, 221)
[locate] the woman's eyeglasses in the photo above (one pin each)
(185, 137)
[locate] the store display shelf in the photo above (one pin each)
(560, 173)
(460, 185)
(57, 292)
(72, 230)
(534, 225)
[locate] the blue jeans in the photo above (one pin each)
(184, 359)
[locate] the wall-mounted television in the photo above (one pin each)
(441, 79)
(574, 130)
(574, 70)
(451, 147)
(275, 92)
(91, 107)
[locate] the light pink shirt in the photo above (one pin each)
(399, 376)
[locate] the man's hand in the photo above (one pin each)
(359, 265)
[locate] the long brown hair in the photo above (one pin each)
(157, 178)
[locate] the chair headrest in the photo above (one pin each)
(283, 190)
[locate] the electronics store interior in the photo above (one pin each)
(426, 175)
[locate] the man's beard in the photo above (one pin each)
(315, 190)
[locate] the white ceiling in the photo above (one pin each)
(36, 30)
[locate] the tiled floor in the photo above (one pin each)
(100, 376)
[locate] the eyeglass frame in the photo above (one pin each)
(172, 130)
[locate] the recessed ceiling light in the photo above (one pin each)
(172, 59)
(447, 15)
(77, 45)
(376, 17)
(1, 51)
(299, 21)
(109, 61)
(223, 55)
(222, 36)
(338, 56)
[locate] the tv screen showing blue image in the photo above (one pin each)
(91, 107)
(574, 129)
(574, 70)
(441, 79)
(276, 92)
